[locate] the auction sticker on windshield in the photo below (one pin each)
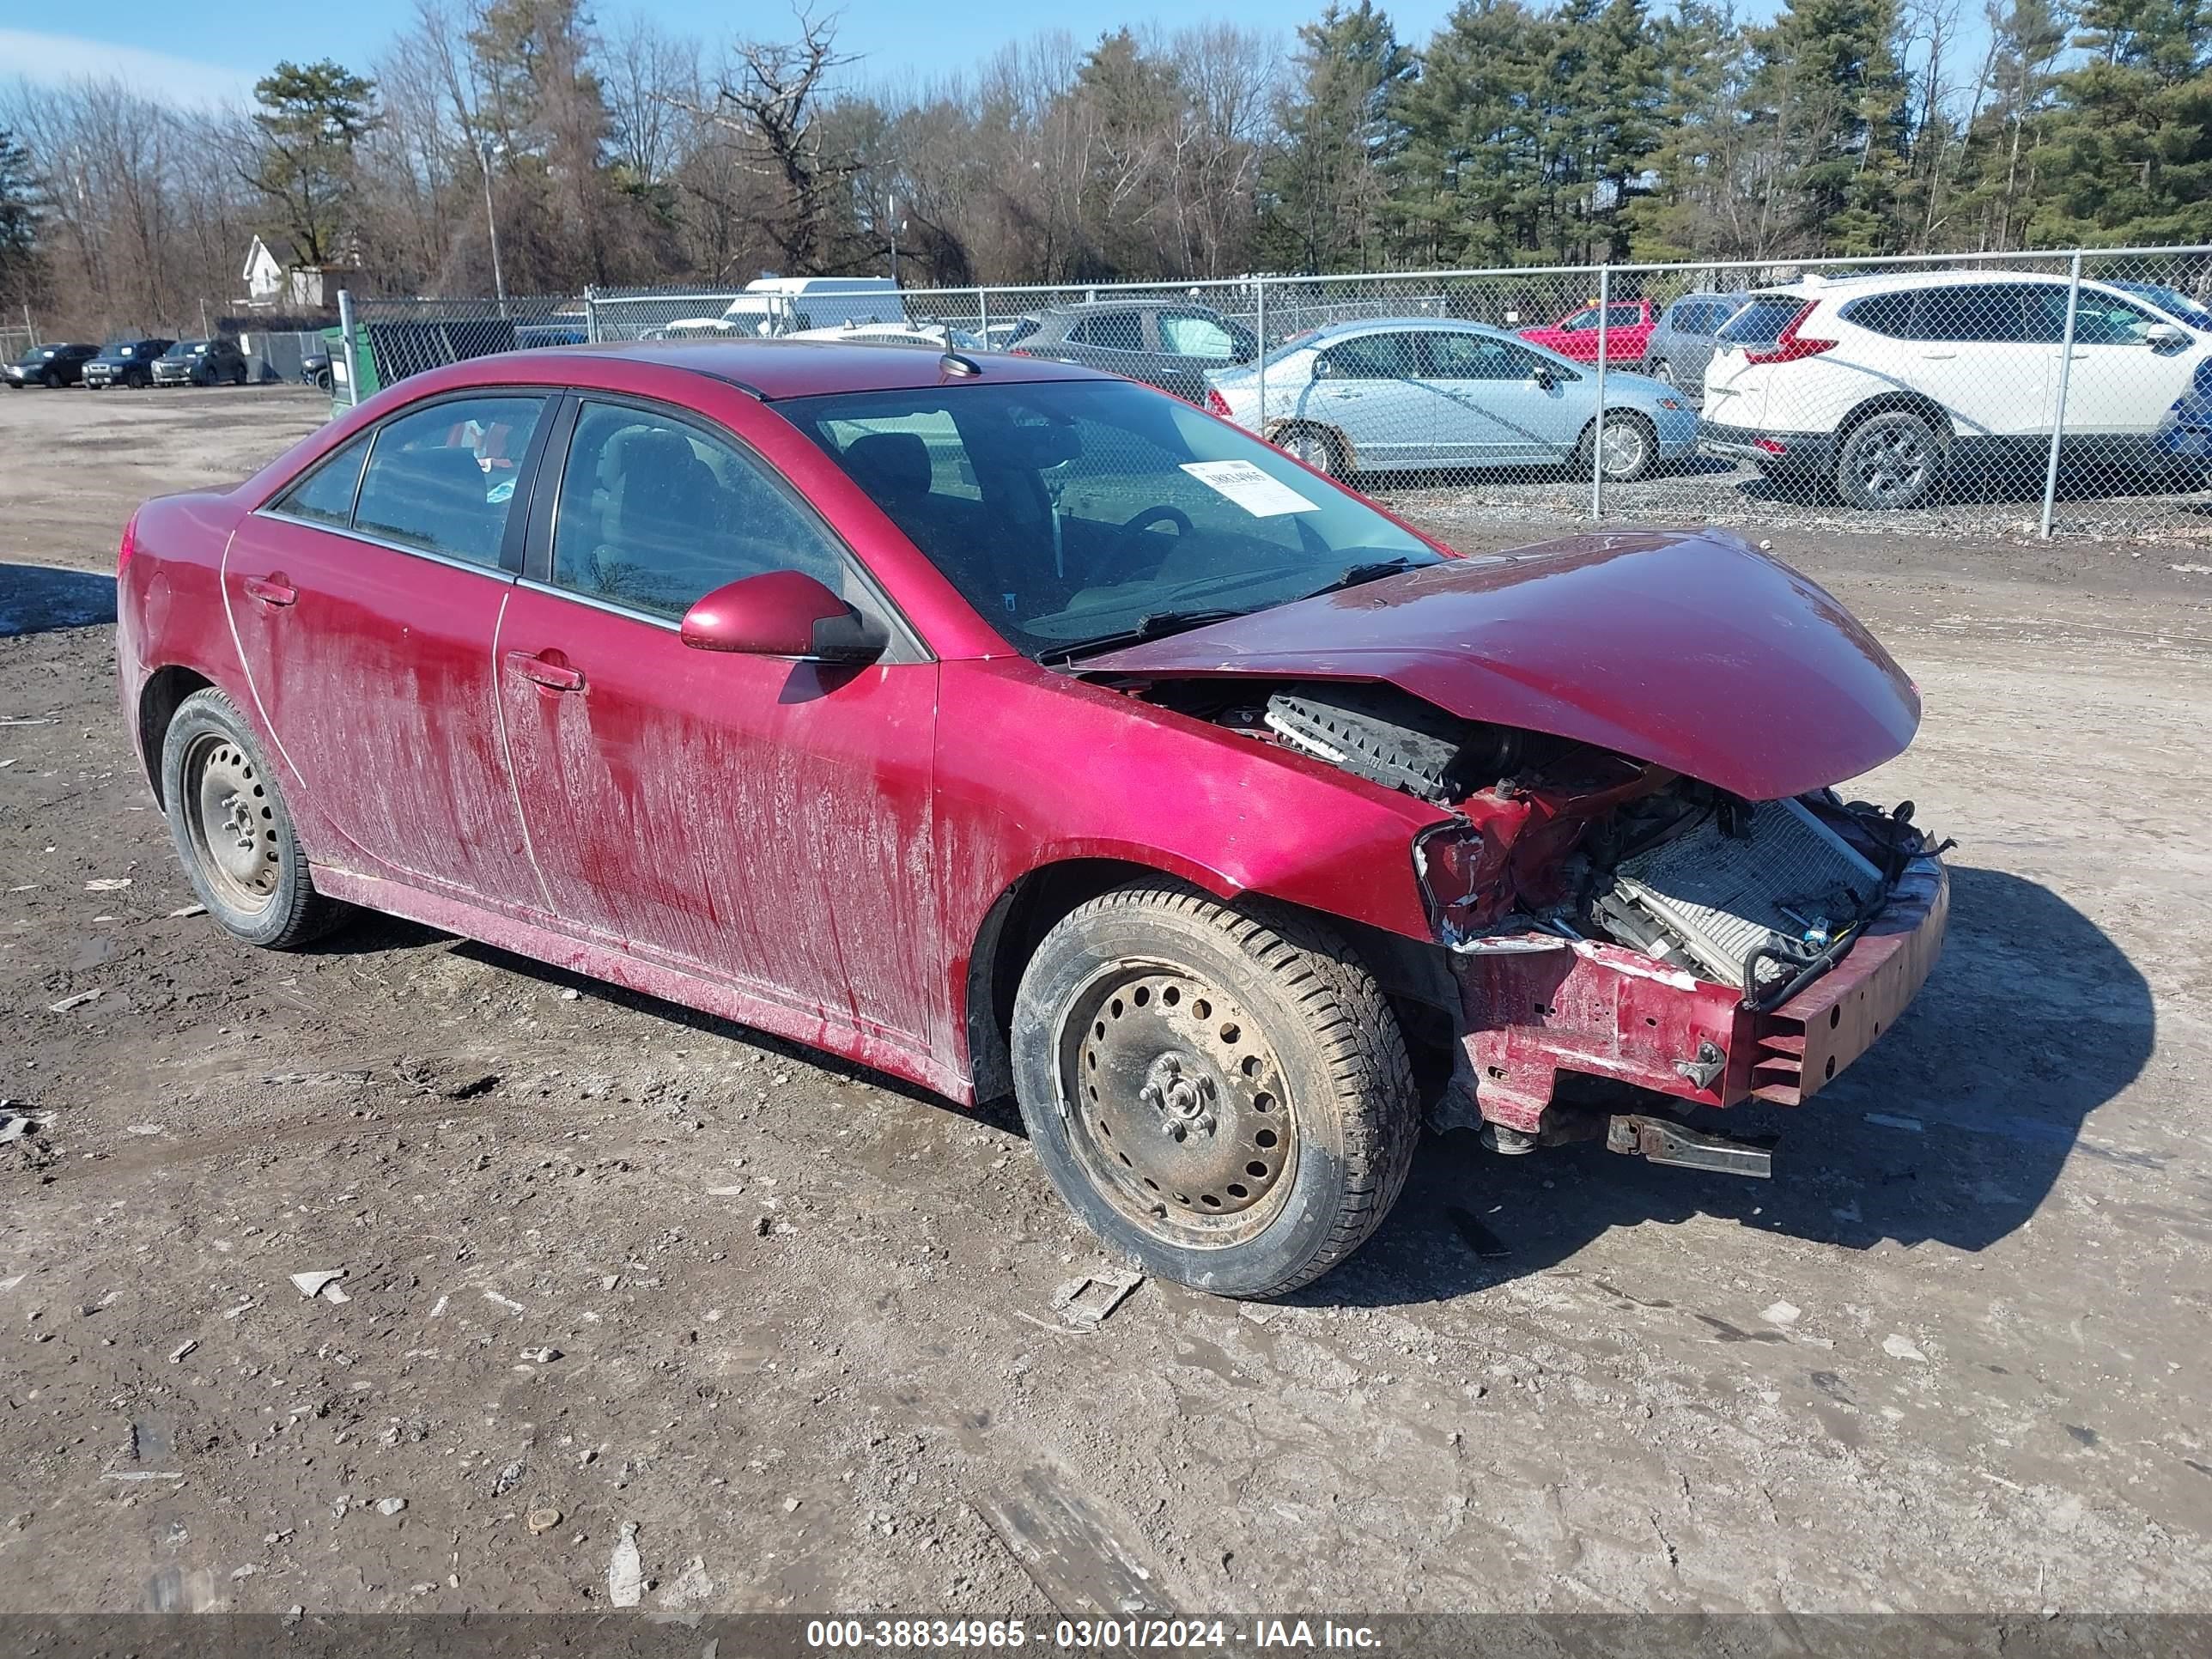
(1245, 483)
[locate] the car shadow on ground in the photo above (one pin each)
(2002, 486)
(1952, 1129)
(1458, 479)
(36, 597)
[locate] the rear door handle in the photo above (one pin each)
(551, 675)
(271, 590)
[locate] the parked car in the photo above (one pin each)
(1628, 325)
(315, 369)
(51, 365)
(2185, 432)
(787, 305)
(1173, 344)
(125, 362)
(1682, 343)
(1022, 729)
(1402, 393)
(1885, 386)
(201, 362)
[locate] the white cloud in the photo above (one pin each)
(58, 59)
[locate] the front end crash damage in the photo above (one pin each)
(1641, 872)
(1610, 919)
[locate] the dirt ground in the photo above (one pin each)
(1951, 1359)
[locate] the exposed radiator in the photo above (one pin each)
(1723, 895)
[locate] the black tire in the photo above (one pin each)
(138, 379)
(232, 832)
(1890, 461)
(53, 379)
(1626, 428)
(1267, 1108)
(238, 376)
(1318, 447)
(1663, 370)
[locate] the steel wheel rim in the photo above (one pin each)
(1892, 464)
(1622, 444)
(1664, 373)
(232, 823)
(1175, 1105)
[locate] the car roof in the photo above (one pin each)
(803, 369)
(1876, 282)
(1315, 338)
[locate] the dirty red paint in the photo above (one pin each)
(822, 850)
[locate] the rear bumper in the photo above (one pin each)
(1600, 1011)
(1808, 451)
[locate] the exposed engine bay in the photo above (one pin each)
(1555, 838)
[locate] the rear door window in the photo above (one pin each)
(325, 494)
(1119, 330)
(1986, 313)
(441, 478)
(1185, 335)
(1373, 357)
(1887, 314)
(1623, 316)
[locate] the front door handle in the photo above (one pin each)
(271, 590)
(554, 676)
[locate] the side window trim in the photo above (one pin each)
(537, 568)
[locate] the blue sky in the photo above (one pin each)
(203, 53)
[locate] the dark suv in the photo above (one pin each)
(52, 365)
(201, 362)
(125, 362)
(1168, 344)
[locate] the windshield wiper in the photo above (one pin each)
(1373, 570)
(1152, 625)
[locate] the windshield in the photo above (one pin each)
(1072, 512)
(183, 349)
(2171, 300)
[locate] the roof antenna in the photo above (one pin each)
(953, 363)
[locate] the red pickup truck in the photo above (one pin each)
(1628, 326)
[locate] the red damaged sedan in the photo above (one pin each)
(1008, 726)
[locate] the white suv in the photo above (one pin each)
(1886, 384)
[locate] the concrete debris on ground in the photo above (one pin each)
(625, 1572)
(323, 1282)
(1083, 1303)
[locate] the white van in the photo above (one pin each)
(786, 305)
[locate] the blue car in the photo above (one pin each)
(2185, 435)
(1398, 394)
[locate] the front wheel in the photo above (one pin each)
(1220, 1092)
(232, 831)
(1629, 448)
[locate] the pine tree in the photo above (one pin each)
(1467, 185)
(2124, 153)
(21, 198)
(1832, 97)
(311, 118)
(1322, 185)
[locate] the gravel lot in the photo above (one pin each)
(1950, 1358)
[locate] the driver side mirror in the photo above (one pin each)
(783, 613)
(1545, 379)
(2162, 336)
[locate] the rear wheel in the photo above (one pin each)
(1890, 462)
(1318, 448)
(1663, 371)
(232, 832)
(1220, 1092)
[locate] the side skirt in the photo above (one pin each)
(815, 1030)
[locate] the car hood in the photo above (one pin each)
(1685, 649)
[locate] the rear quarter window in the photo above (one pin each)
(1889, 314)
(325, 494)
(1762, 320)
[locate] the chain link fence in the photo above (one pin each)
(2022, 395)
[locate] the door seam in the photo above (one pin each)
(507, 753)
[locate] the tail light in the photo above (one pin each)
(128, 547)
(1789, 345)
(1216, 404)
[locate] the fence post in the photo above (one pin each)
(983, 315)
(591, 314)
(1597, 430)
(345, 348)
(2065, 375)
(30, 327)
(1260, 363)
